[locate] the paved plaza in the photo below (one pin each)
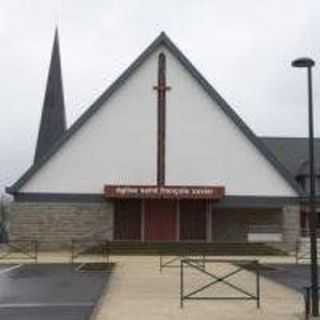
(137, 289)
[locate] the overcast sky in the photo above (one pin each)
(243, 48)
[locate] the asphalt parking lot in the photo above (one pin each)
(292, 276)
(48, 292)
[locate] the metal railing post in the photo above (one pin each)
(105, 252)
(258, 283)
(307, 303)
(36, 250)
(204, 261)
(181, 284)
(108, 251)
(72, 251)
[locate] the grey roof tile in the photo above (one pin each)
(293, 153)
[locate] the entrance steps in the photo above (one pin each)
(176, 248)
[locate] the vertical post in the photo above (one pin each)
(312, 214)
(258, 283)
(105, 252)
(142, 219)
(181, 284)
(209, 221)
(307, 303)
(36, 250)
(178, 221)
(309, 63)
(204, 261)
(72, 249)
(161, 89)
(109, 251)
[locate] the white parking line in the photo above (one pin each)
(43, 305)
(80, 266)
(11, 268)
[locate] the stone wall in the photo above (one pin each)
(55, 224)
(232, 224)
(291, 227)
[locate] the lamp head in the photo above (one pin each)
(303, 63)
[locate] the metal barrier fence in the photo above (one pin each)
(89, 247)
(270, 237)
(241, 265)
(19, 249)
(167, 261)
(24, 249)
(302, 250)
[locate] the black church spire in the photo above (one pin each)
(53, 119)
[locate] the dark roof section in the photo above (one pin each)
(53, 119)
(293, 153)
(162, 39)
(304, 170)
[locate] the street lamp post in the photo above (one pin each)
(309, 63)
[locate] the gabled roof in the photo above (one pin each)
(162, 39)
(293, 153)
(53, 117)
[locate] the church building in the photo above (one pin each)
(159, 156)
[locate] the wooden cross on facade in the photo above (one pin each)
(161, 89)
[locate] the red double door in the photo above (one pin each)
(193, 220)
(160, 220)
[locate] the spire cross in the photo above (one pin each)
(161, 88)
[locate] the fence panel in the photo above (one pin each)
(19, 249)
(214, 279)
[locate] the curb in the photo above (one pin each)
(98, 305)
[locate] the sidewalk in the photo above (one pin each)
(137, 290)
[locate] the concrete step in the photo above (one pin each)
(188, 248)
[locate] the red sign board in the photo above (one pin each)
(164, 192)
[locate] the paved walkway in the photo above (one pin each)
(137, 290)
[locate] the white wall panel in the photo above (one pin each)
(205, 147)
(118, 144)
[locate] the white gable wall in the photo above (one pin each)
(118, 143)
(205, 147)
